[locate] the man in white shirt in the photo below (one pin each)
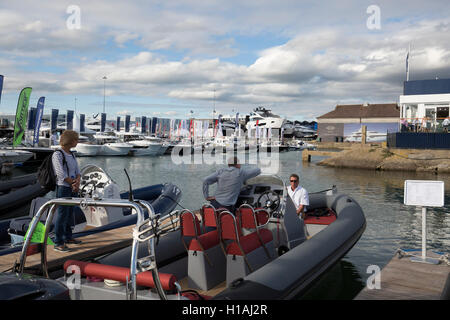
(298, 194)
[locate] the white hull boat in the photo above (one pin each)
(115, 149)
(14, 156)
(87, 150)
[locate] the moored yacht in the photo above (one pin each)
(111, 146)
(264, 119)
(141, 146)
(372, 136)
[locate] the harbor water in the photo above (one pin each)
(390, 224)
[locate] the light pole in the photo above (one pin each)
(104, 92)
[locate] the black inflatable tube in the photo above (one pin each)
(294, 272)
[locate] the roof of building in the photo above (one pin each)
(387, 110)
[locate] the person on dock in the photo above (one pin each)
(54, 139)
(68, 177)
(229, 183)
(298, 194)
(446, 124)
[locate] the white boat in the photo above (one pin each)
(163, 146)
(288, 129)
(141, 146)
(95, 125)
(14, 156)
(371, 136)
(301, 131)
(264, 119)
(301, 145)
(111, 146)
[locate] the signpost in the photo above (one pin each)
(424, 193)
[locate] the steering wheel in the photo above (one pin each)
(269, 200)
(89, 192)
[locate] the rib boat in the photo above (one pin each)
(95, 183)
(262, 250)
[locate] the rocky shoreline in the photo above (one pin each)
(377, 157)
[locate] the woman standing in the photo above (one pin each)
(67, 185)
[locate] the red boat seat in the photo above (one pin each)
(89, 269)
(249, 243)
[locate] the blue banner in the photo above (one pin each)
(154, 122)
(54, 119)
(69, 120)
(1, 87)
(118, 124)
(82, 119)
(144, 124)
(31, 118)
(39, 114)
(103, 122)
(127, 123)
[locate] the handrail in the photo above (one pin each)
(137, 205)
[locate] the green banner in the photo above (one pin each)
(39, 234)
(20, 123)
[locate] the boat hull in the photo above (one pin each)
(87, 150)
(112, 149)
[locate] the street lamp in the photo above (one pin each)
(104, 92)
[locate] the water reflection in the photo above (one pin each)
(341, 282)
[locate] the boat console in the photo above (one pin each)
(97, 184)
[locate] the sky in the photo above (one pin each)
(168, 58)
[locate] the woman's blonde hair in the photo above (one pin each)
(68, 137)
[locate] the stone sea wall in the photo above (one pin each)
(376, 157)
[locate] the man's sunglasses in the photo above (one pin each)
(294, 180)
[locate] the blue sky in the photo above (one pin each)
(165, 58)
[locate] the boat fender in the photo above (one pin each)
(121, 274)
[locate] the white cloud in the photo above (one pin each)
(330, 56)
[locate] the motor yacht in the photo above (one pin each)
(371, 136)
(111, 145)
(264, 119)
(141, 146)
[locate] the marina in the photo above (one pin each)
(225, 154)
(360, 183)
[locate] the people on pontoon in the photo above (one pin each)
(298, 194)
(229, 183)
(68, 179)
(54, 139)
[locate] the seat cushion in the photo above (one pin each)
(249, 242)
(206, 240)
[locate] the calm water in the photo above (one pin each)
(390, 224)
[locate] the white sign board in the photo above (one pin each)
(424, 193)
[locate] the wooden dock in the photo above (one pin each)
(91, 246)
(307, 154)
(402, 279)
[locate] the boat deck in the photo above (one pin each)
(402, 279)
(92, 246)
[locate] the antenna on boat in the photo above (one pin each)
(130, 195)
